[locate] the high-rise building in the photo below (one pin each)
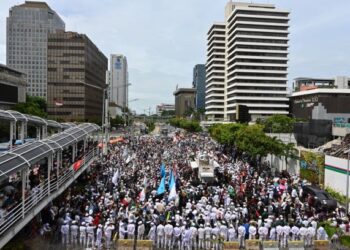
(119, 80)
(215, 73)
(255, 40)
(76, 77)
(28, 26)
(184, 101)
(199, 84)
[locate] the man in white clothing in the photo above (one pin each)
(131, 230)
(231, 233)
(201, 234)
(152, 233)
(99, 237)
(140, 230)
(90, 230)
(177, 236)
(207, 236)
(74, 232)
(322, 234)
(108, 234)
(160, 236)
(82, 231)
(65, 232)
(168, 230)
(241, 235)
(252, 232)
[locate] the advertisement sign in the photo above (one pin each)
(312, 167)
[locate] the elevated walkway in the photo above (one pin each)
(57, 176)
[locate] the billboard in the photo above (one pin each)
(312, 167)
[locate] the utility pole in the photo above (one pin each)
(106, 123)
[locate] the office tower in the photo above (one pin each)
(28, 26)
(119, 80)
(184, 101)
(76, 77)
(215, 73)
(256, 50)
(199, 84)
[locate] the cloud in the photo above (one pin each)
(164, 39)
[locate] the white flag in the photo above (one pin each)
(142, 195)
(115, 177)
(172, 194)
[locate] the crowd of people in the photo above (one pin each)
(127, 194)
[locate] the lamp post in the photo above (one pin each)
(347, 181)
(133, 100)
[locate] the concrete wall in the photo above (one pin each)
(335, 173)
(279, 162)
(339, 131)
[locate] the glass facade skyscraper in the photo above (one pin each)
(28, 26)
(199, 84)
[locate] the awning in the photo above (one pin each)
(30, 153)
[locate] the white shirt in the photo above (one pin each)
(252, 230)
(82, 230)
(160, 230)
(201, 233)
(168, 229)
(241, 230)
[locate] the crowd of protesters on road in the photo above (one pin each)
(146, 189)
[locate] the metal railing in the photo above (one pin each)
(42, 191)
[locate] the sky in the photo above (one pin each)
(164, 39)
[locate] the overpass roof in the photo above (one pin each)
(11, 115)
(26, 155)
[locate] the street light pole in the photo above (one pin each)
(106, 125)
(347, 183)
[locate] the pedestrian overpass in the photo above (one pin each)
(57, 172)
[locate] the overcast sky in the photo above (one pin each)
(164, 39)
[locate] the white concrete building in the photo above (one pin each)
(255, 55)
(215, 73)
(119, 80)
(164, 107)
(28, 26)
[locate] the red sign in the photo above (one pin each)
(77, 165)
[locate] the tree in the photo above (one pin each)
(33, 106)
(252, 140)
(225, 133)
(117, 121)
(278, 124)
(168, 113)
(290, 152)
(188, 112)
(189, 125)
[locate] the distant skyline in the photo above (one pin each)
(163, 40)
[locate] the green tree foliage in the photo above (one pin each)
(117, 121)
(34, 106)
(225, 133)
(168, 113)
(278, 124)
(189, 112)
(189, 125)
(253, 140)
(150, 125)
(250, 139)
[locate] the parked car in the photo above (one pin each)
(321, 198)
